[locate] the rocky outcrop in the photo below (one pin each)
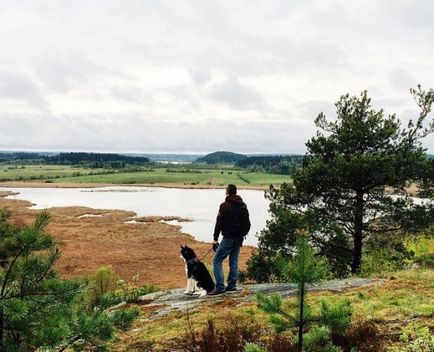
(166, 302)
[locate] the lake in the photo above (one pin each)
(199, 205)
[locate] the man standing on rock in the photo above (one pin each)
(234, 224)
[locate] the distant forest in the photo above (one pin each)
(93, 160)
(5, 157)
(276, 164)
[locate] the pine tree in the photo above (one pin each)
(38, 309)
(304, 269)
(339, 192)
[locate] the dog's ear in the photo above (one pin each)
(182, 246)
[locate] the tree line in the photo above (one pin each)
(93, 160)
(275, 164)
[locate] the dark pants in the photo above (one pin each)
(228, 247)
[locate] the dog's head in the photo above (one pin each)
(187, 253)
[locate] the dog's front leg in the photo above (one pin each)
(197, 290)
(190, 286)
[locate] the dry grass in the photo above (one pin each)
(150, 249)
(380, 313)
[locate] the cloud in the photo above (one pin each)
(16, 87)
(200, 75)
(134, 132)
(62, 73)
(143, 74)
(401, 80)
(128, 93)
(235, 94)
(312, 108)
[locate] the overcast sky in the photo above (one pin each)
(199, 76)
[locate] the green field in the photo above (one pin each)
(14, 172)
(182, 176)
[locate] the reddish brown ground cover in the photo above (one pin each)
(149, 248)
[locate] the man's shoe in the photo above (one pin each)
(216, 292)
(231, 289)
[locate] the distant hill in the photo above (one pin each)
(221, 158)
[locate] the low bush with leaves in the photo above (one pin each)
(422, 248)
(383, 261)
(102, 282)
(414, 338)
(386, 256)
(252, 347)
(261, 268)
(107, 290)
(130, 292)
(123, 318)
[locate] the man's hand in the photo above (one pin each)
(215, 245)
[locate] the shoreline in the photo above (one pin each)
(411, 190)
(106, 238)
(24, 184)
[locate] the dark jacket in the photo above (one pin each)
(224, 215)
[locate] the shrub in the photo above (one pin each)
(106, 291)
(262, 269)
(420, 344)
(336, 316)
(382, 260)
(415, 339)
(123, 318)
(315, 337)
(130, 292)
(109, 299)
(422, 248)
(279, 343)
(421, 245)
(426, 260)
(385, 256)
(363, 335)
(103, 281)
(231, 337)
(251, 347)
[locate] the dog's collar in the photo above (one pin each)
(191, 261)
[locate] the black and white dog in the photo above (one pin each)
(199, 280)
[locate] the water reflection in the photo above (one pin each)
(199, 205)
